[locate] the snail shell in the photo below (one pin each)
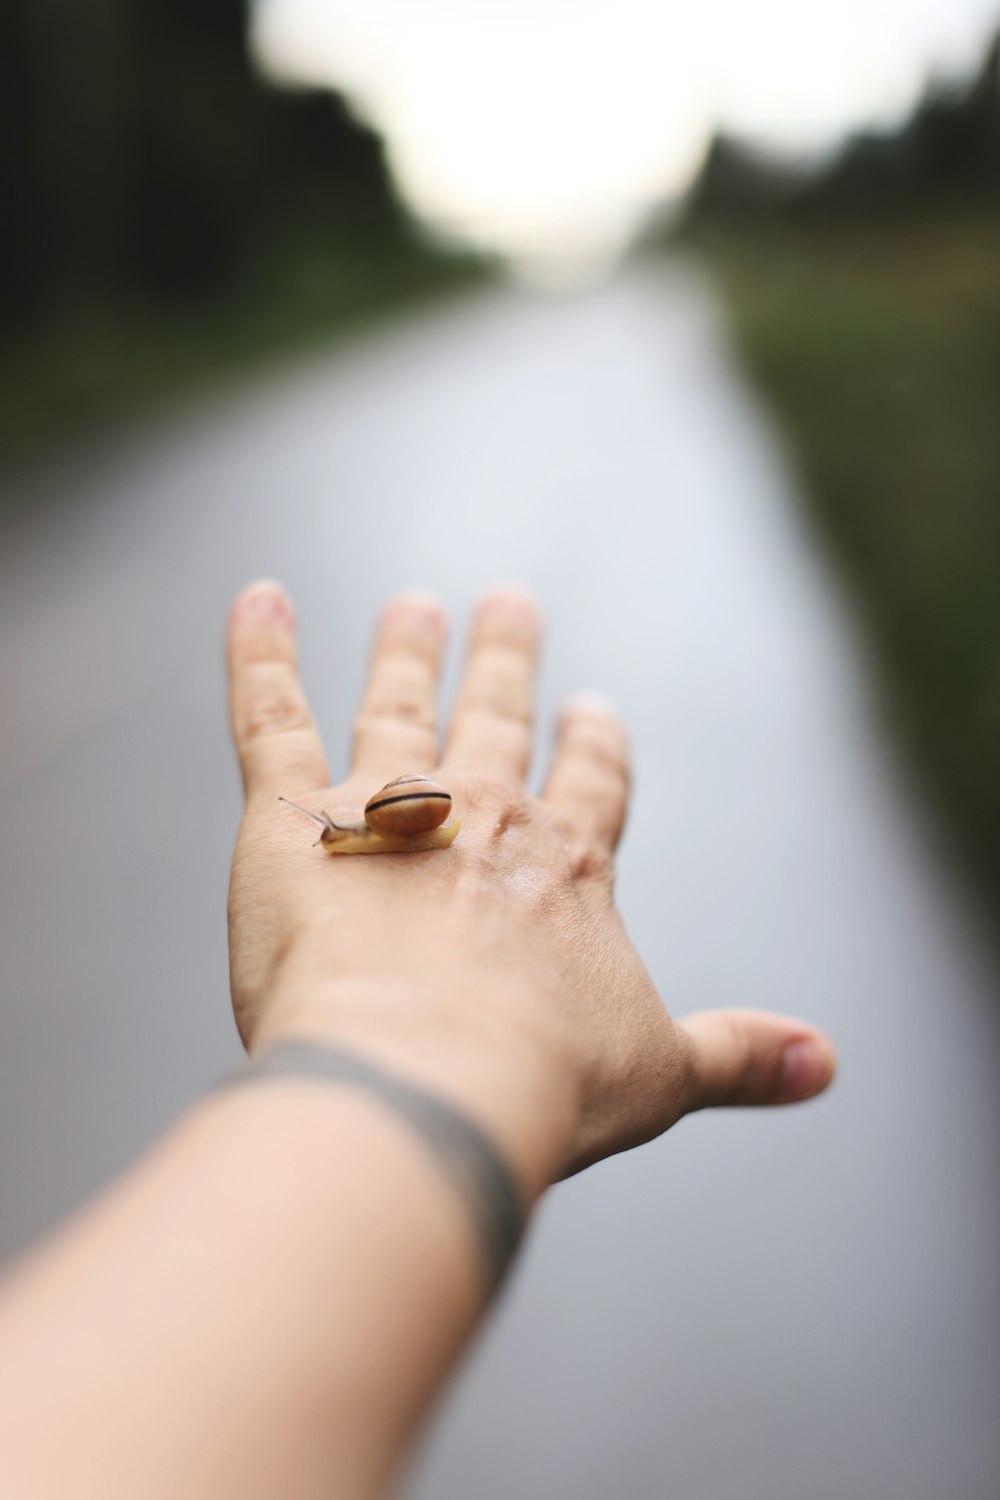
(408, 806)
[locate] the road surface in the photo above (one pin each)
(800, 1305)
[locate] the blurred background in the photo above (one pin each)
(687, 318)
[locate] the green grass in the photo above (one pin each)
(88, 373)
(879, 351)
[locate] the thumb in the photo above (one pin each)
(755, 1057)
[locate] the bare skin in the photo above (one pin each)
(288, 1343)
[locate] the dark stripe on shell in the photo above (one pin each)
(410, 797)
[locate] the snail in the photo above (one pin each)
(409, 814)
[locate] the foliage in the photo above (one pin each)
(881, 354)
(945, 159)
(866, 302)
(163, 212)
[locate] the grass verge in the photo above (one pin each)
(879, 350)
(85, 374)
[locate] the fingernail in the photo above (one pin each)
(265, 600)
(805, 1067)
(418, 610)
(511, 607)
(592, 703)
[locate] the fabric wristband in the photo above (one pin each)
(467, 1154)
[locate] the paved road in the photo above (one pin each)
(794, 1306)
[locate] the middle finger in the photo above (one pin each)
(491, 728)
(394, 731)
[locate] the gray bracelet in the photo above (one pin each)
(469, 1157)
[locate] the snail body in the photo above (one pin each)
(408, 815)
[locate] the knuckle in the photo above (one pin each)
(601, 753)
(276, 710)
(561, 826)
(398, 708)
(401, 690)
(493, 703)
(497, 795)
(263, 651)
(590, 861)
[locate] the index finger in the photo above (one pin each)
(278, 744)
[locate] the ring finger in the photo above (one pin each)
(590, 776)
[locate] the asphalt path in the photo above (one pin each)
(794, 1305)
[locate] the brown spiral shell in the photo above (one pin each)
(407, 806)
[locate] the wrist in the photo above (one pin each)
(446, 1044)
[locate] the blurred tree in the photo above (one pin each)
(948, 152)
(328, 146)
(61, 70)
(21, 193)
(141, 156)
(953, 142)
(741, 185)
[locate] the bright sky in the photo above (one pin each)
(544, 126)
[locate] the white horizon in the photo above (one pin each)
(550, 130)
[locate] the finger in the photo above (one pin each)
(751, 1057)
(394, 731)
(491, 727)
(589, 777)
(278, 745)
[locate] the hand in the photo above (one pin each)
(498, 969)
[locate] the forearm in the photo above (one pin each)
(266, 1304)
